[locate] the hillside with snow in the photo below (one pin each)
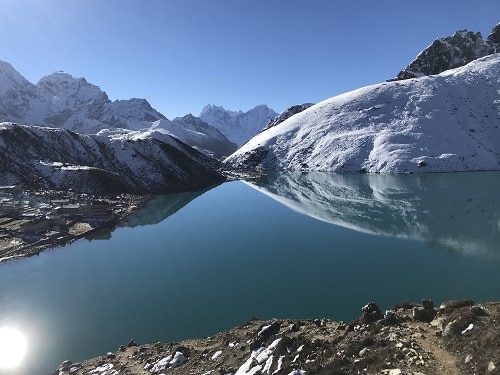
(61, 100)
(440, 123)
(108, 162)
(238, 126)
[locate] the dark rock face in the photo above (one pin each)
(452, 52)
(287, 113)
(371, 313)
(494, 38)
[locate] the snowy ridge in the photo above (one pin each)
(447, 122)
(238, 126)
(109, 162)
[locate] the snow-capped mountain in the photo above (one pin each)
(238, 126)
(64, 101)
(108, 162)
(16, 93)
(445, 122)
(61, 100)
(452, 52)
(205, 138)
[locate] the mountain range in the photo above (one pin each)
(441, 113)
(238, 126)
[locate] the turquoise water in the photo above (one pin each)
(313, 245)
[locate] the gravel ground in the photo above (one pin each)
(459, 337)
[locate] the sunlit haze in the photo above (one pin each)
(182, 55)
(12, 347)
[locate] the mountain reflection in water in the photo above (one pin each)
(457, 211)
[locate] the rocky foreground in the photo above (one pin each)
(460, 337)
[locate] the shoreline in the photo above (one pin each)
(132, 204)
(459, 337)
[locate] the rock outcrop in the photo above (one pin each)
(452, 52)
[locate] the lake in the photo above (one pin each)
(294, 245)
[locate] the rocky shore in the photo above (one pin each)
(459, 337)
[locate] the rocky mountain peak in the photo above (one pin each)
(451, 52)
(62, 84)
(494, 38)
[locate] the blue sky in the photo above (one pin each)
(181, 55)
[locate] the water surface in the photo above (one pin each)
(313, 245)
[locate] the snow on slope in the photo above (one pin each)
(109, 162)
(238, 126)
(205, 138)
(447, 122)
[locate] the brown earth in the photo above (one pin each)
(461, 337)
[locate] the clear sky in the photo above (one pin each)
(183, 54)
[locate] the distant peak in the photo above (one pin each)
(212, 108)
(61, 76)
(10, 77)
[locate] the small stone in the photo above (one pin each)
(132, 343)
(468, 358)
(371, 313)
(478, 310)
(364, 351)
(395, 371)
(423, 315)
(428, 304)
(110, 355)
(491, 366)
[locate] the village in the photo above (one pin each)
(32, 221)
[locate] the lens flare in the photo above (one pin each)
(12, 347)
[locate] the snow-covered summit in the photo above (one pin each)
(62, 84)
(446, 122)
(238, 126)
(452, 52)
(11, 80)
(61, 100)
